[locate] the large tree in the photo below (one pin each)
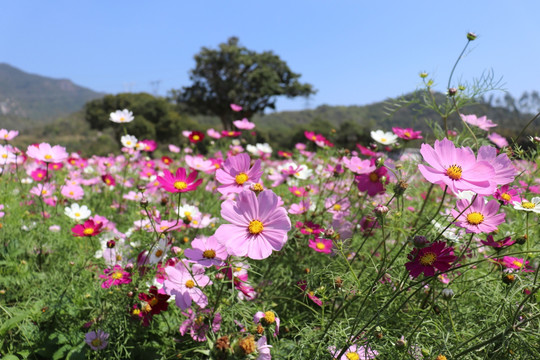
(234, 74)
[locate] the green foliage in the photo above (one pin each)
(155, 118)
(235, 74)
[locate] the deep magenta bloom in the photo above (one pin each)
(321, 245)
(372, 182)
(480, 217)
(506, 196)
(426, 260)
(457, 168)
(154, 302)
(179, 182)
(108, 179)
(507, 241)
(258, 225)
(115, 276)
(89, 228)
(236, 172)
(407, 133)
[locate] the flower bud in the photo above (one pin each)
(379, 162)
(381, 209)
(447, 293)
(111, 244)
(508, 278)
(471, 36)
(452, 91)
(521, 239)
(401, 343)
(420, 241)
(423, 75)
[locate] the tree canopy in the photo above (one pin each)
(234, 74)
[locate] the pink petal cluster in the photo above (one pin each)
(258, 225)
(478, 217)
(179, 182)
(185, 284)
(47, 153)
(407, 133)
(236, 172)
(482, 122)
(244, 124)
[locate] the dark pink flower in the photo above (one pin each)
(480, 217)
(407, 133)
(506, 196)
(507, 241)
(372, 182)
(88, 229)
(426, 260)
(258, 225)
(302, 284)
(321, 245)
(115, 276)
(179, 182)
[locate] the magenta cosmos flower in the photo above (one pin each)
(47, 153)
(480, 217)
(258, 225)
(456, 168)
(426, 260)
(179, 182)
(321, 245)
(88, 229)
(236, 172)
(407, 133)
(115, 276)
(373, 182)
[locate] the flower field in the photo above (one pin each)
(419, 246)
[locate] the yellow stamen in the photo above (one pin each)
(428, 259)
(527, 205)
(475, 218)
(48, 157)
(269, 317)
(255, 227)
(190, 284)
(352, 356)
(241, 178)
(180, 185)
(117, 275)
(454, 172)
(320, 246)
(209, 254)
(506, 197)
(159, 253)
(88, 231)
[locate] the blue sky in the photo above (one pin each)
(353, 52)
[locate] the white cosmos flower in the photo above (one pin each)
(77, 212)
(385, 138)
(122, 116)
(259, 149)
(533, 205)
(129, 141)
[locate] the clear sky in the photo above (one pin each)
(353, 52)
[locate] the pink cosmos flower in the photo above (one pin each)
(258, 225)
(263, 349)
(147, 145)
(354, 352)
(213, 133)
(372, 182)
(359, 166)
(426, 260)
(179, 182)
(207, 251)
(88, 229)
(321, 245)
(47, 153)
(244, 124)
(6, 155)
(483, 122)
(236, 108)
(97, 340)
(407, 133)
(230, 133)
(456, 168)
(298, 191)
(300, 208)
(174, 149)
(197, 324)
(505, 172)
(185, 285)
(515, 263)
(507, 241)
(480, 217)
(309, 228)
(302, 284)
(236, 172)
(199, 163)
(505, 195)
(8, 134)
(115, 276)
(498, 140)
(39, 174)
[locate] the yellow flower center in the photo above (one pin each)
(506, 197)
(5, 136)
(77, 214)
(117, 275)
(196, 137)
(180, 185)
(352, 356)
(88, 231)
(475, 218)
(122, 119)
(241, 178)
(407, 134)
(136, 312)
(96, 342)
(190, 284)
(269, 317)
(4, 156)
(159, 253)
(373, 177)
(48, 157)
(517, 263)
(43, 192)
(255, 227)
(258, 187)
(337, 207)
(209, 254)
(153, 302)
(383, 140)
(297, 192)
(527, 205)
(428, 259)
(147, 308)
(454, 172)
(320, 246)
(248, 345)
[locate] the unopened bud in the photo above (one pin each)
(380, 209)
(401, 343)
(447, 293)
(420, 241)
(508, 278)
(111, 244)
(452, 91)
(471, 36)
(379, 162)
(144, 203)
(423, 75)
(522, 239)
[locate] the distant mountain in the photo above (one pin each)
(37, 99)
